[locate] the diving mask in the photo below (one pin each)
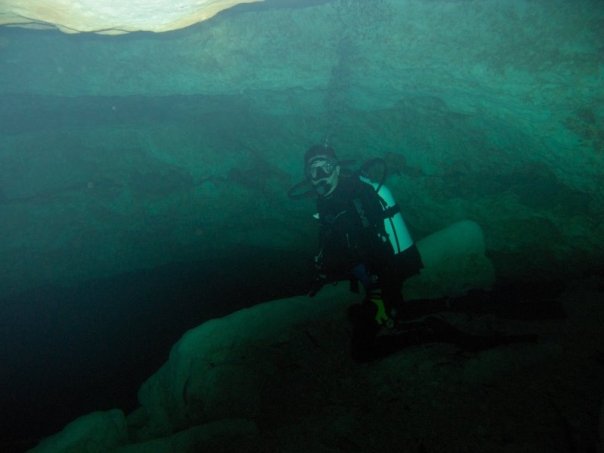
(323, 174)
(320, 169)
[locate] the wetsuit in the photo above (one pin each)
(354, 245)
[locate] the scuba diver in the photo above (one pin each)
(363, 238)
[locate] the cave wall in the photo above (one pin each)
(120, 153)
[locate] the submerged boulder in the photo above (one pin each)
(222, 368)
(278, 377)
(97, 432)
(271, 362)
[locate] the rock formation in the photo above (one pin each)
(111, 17)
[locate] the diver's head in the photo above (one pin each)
(322, 169)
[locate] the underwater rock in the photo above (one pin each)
(454, 262)
(215, 371)
(277, 377)
(109, 17)
(97, 432)
(199, 438)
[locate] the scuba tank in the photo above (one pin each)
(396, 229)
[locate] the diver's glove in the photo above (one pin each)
(317, 283)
